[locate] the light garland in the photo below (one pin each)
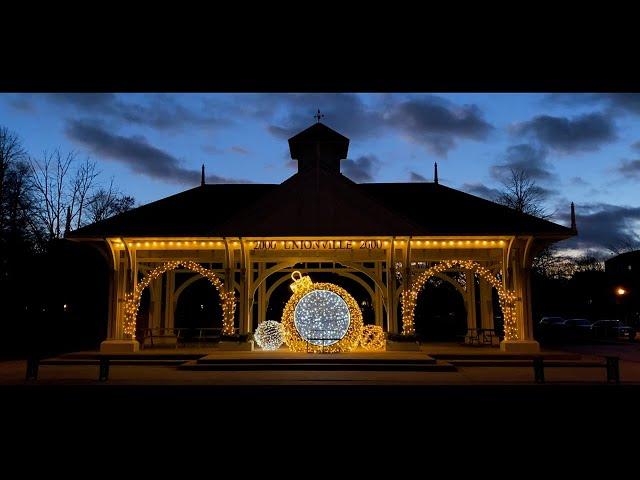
(373, 338)
(507, 298)
(132, 299)
(303, 286)
(269, 335)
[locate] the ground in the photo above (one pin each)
(13, 372)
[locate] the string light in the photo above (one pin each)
(322, 317)
(373, 338)
(327, 292)
(269, 335)
(507, 298)
(132, 299)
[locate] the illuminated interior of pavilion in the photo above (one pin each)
(389, 238)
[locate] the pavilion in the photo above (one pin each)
(390, 238)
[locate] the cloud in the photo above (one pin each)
(346, 113)
(630, 168)
(602, 225)
(436, 123)
(240, 150)
(613, 102)
(636, 146)
(22, 103)
(136, 153)
(428, 120)
(212, 149)
(416, 177)
(579, 182)
(481, 190)
(162, 112)
(524, 157)
(569, 135)
(361, 169)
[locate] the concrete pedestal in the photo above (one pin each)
(120, 346)
(520, 346)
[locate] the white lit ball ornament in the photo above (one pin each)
(321, 317)
(269, 335)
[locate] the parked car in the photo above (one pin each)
(577, 329)
(550, 322)
(612, 329)
(549, 328)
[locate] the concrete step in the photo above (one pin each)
(505, 356)
(317, 366)
(316, 359)
(525, 363)
(89, 361)
(142, 355)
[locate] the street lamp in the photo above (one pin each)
(620, 291)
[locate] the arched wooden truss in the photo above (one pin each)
(132, 299)
(507, 298)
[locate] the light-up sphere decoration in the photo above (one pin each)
(269, 335)
(372, 338)
(321, 317)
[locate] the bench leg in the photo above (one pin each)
(32, 368)
(613, 370)
(104, 370)
(538, 370)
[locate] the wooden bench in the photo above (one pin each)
(612, 366)
(33, 365)
(161, 336)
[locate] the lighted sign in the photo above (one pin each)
(318, 244)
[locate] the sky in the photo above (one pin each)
(583, 148)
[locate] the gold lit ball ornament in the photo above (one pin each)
(320, 317)
(269, 335)
(372, 338)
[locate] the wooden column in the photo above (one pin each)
(262, 290)
(377, 298)
(486, 305)
(471, 299)
(169, 302)
(155, 309)
(392, 326)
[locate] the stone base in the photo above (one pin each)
(235, 346)
(520, 346)
(119, 346)
(402, 346)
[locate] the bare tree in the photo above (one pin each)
(623, 246)
(61, 190)
(523, 194)
(11, 153)
(107, 202)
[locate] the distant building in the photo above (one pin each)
(623, 273)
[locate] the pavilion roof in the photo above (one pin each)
(321, 203)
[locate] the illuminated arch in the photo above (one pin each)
(132, 299)
(507, 298)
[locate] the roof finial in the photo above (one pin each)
(318, 116)
(573, 217)
(435, 173)
(202, 178)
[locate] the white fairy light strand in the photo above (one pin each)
(269, 335)
(507, 298)
(132, 299)
(373, 338)
(301, 287)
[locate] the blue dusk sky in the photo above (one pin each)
(583, 148)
